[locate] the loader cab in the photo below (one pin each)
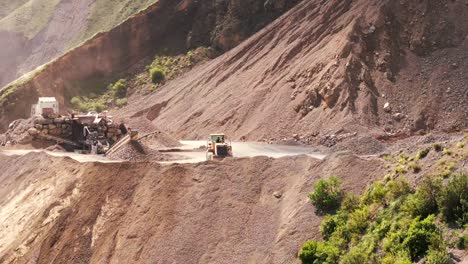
(217, 147)
(217, 138)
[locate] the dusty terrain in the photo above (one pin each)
(181, 25)
(351, 79)
(328, 68)
(56, 210)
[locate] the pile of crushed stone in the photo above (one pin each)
(138, 151)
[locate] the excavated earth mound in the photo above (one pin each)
(390, 69)
(56, 210)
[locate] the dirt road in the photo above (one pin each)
(193, 153)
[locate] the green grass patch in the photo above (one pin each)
(415, 167)
(102, 99)
(106, 14)
(29, 18)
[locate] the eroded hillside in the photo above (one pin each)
(56, 210)
(386, 68)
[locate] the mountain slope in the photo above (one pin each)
(42, 30)
(325, 66)
(167, 27)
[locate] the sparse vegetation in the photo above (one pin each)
(121, 102)
(423, 153)
(453, 199)
(6, 93)
(401, 169)
(460, 145)
(415, 167)
(113, 95)
(29, 18)
(157, 75)
(437, 147)
(447, 152)
(120, 88)
(392, 223)
(106, 14)
(327, 194)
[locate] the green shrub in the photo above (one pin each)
(399, 259)
(120, 88)
(356, 256)
(358, 220)
(397, 188)
(453, 199)
(424, 201)
(313, 252)
(437, 147)
(460, 145)
(419, 237)
(422, 154)
(327, 194)
(350, 203)
(121, 102)
(403, 158)
(462, 241)
(447, 151)
(438, 257)
(330, 223)
(157, 75)
(414, 166)
(375, 193)
(76, 101)
(401, 169)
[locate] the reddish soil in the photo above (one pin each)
(325, 67)
(55, 210)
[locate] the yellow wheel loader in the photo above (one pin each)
(217, 147)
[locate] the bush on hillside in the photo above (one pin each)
(121, 102)
(422, 154)
(313, 252)
(438, 257)
(326, 195)
(120, 88)
(453, 200)
(424, 201)
(157, 75)
(419, 237)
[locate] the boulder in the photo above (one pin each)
(33, 131)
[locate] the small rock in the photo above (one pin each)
(398, 116)
(387, 108)
(277, 195)
(296, 136)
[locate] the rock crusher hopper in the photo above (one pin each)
(218, 148)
